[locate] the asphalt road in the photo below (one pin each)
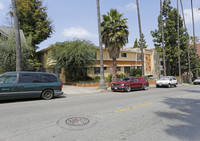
(157, 114)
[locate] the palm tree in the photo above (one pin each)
(140, 30)
(17, 34)
(194, 37)
(102, 79)
(114, 35)
(179, 60)
(163, 44)
(187, 37)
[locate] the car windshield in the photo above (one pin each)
(164, 78)
(125, 79)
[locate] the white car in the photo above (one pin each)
(196, 82)
(166, 81)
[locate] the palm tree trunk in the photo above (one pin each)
(163, 44)
(17, 34)
(114, 77)
(187, 37)
(102, 79)
(194, 39)
(140, 30)
(179, 59)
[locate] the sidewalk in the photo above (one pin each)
(72, 90)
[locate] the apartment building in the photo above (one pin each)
(129, 58)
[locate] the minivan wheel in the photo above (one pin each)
(169, 86)
(47, 94)
(127, 88)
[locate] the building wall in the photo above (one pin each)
(131, 59)
(130, 55)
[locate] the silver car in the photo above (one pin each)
(166, 81)
(196, 82)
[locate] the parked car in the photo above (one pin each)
(167, 81)
(196, 82)
(15, 85)
(129, 83)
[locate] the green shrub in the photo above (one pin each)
(136, 72)
(121, 75)
(97, 78)
(109, 78)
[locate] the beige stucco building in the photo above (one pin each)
(129, 58)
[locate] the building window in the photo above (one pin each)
(97, 70)
(105, 68)
(139, 57)
(95, 55)
(118, 68)
(123, 54)
(139, 67)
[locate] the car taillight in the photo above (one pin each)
(61, 87)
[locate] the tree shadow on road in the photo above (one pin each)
(192, 91)
(183, 117)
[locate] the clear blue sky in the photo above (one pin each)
(78, 18)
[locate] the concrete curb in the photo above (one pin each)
(76, 90)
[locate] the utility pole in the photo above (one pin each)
(140, 30)
(187, 38)
(194, 38)
(17, 35)
(163, 44)
(102, 79)
(179, 59)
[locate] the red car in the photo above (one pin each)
(129, 83)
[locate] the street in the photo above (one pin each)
(156, 114)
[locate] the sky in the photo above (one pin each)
(74, 19)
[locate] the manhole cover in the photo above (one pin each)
(77, 121)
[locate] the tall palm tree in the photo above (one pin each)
(187, 37)
(179, 59)
(163, 44)
(194, 37)
(102, 79)
(140, 30)
(114, 35)
(17, 34)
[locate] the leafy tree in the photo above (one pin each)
(8, 55)
(143, 41)
(138, 44)
(196, 39)
(34, 20)
(170, 33)
(135, 43)
(114, 35)
(74, 56)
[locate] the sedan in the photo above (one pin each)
(196, 82)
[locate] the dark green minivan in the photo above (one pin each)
(15, 85)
